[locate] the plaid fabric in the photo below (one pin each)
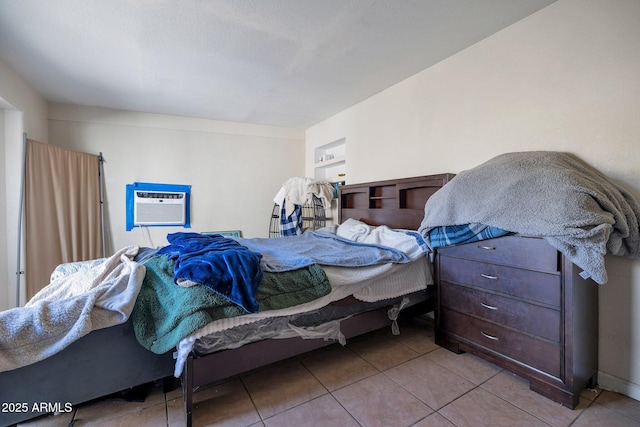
(291, 225)
(459, 234)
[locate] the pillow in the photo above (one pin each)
(353, 229)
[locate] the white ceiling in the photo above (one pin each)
(287, 63)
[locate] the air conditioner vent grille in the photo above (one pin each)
(159, 208)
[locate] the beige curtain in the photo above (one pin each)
(62, 210)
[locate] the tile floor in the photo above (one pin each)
(376, 380)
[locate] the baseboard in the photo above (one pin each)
(610, 382)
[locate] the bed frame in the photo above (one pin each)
(396, 203)
(91, 367)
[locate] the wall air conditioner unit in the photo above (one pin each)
(159, 208)
(152, 204)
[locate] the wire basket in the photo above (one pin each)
(313, 217)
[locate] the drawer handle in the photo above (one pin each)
(491, 337)
(490, 307)
(487, 276)
(488, 248)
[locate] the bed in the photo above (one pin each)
(53, 361)
(88, 368)
(398, 204)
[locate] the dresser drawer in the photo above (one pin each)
(537, 353)
(529, 318)
(522, 252)
(530, 285)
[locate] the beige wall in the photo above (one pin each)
(22, 110)
(234, 169)
(566, 78)
(4, 269)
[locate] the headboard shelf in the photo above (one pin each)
(398, 203)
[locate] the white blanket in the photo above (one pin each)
(70, 307)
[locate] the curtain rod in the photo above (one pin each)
(100, 178)
(20, 272)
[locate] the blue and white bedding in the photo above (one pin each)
(325, 248)
(368, 271)
(408, 241)
(449, 235)
(102, 293)
(233, 267)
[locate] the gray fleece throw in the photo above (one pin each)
(97, 295)
(547, 194)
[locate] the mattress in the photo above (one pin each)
(371, 284)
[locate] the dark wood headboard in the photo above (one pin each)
(397, 203)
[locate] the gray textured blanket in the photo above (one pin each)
(548, 194)
(70, 307)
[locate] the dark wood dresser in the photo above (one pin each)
(519, 303)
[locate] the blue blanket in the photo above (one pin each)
(315, 247)
(459, 234)
(219, 263)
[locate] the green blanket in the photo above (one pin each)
(165, 313)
